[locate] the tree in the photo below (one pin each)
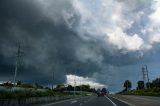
(60, 87)
(156, 83)
(27, 85)
(127, 85)
(98, 90)
(70, 88)
(38, 86)
(19, 83)
(8, 83)
(85, 87)
(104, 90)
(140, 84)
(148, 85)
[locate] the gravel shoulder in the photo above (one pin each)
(139, 100)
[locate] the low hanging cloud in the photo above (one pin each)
(76, 80)
(99, 39)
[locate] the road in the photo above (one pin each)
(88, 101)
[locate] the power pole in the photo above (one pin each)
(81, 87)
(52, 79)
(143, 72)
(55, 68)
(18, 57)
(75, 84)
(145, 76)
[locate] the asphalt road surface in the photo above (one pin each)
(88, 101)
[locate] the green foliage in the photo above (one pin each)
(70, 88)
(7, 84)
(25, 94)
(153, 89)
(85, 87)
(156, 83)
(19, 83)
(25, 90)
(60, 87)
(127, 85)
(27, 85)
(38, 86)
(104, 90)
(140, 84)
(143, 92)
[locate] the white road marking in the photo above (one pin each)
(73, 101)
(59, 102)
(111, 101)
(124, 101)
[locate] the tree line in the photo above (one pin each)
(150, 88)
(59, 87)
(62, 87)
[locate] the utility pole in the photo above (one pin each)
(145, 76)
(18, 56)
(55, 68)
(75, 84)
(81, 86)
(143, 72)
(52, 79)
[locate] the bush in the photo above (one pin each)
(25, 94)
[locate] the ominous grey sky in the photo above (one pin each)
(107, 41)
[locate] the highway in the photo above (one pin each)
(88, 101)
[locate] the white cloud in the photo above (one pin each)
(154, 38)
(156, 14)
(110, 21)
(154, 24)
(121, 40)
(71, 79)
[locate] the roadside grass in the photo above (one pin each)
(31, 93)
(36, 93)
(24, 94)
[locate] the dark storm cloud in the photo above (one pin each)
(22, 21)
(47, 46)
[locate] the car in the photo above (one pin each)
(101, 94)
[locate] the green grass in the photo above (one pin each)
(31, 93)
(21, 92)
(24, 94)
